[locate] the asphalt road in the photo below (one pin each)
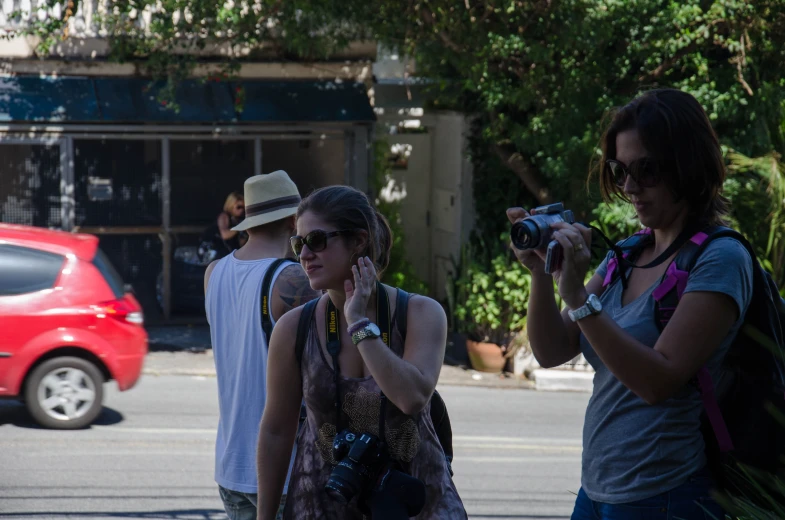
(517, 455)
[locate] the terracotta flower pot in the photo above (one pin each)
(485, 357)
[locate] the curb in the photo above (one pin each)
(475, 379)
(199, 363)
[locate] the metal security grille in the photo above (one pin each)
(117, 186)
(30, 179)
(203, 174)
(117, 182)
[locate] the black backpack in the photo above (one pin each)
(439, 416)
(739, 423)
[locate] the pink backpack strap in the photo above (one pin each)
(706, 386)
(613, 263)
(675, 277)
(667, 300)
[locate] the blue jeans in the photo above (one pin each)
(242, 506)
(690, 501)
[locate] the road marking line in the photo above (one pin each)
(512, 460)
(534, 447)
(562, 442)
(461, 442)
(535, 440)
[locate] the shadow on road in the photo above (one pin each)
(15, 413)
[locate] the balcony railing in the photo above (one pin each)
(82, 24)
(87, 23)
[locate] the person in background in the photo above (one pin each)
(233, 287)
(231, 216)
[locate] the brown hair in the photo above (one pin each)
(676, 132)
(346, 207)
(231, 200)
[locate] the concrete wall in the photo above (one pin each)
(436, 194)
(451, 196)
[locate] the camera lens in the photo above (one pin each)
(345, 482)
(338, 492)
(525, 235)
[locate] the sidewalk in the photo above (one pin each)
(185, 350)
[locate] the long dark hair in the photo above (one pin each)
(349, 208)
(676, 132)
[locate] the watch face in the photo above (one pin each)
(594, 303)
(374, 329)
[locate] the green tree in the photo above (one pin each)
(538, 75)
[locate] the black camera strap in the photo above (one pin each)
(383, 320)
(618, 250)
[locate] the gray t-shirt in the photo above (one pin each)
(633, 450)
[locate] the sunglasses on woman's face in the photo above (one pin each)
(316, 240)
(645, 172)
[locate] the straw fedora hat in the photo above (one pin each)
(268, 198)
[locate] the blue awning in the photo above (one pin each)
(134, 100)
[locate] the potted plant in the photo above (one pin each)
(487, 302)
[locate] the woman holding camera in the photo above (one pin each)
(643, 452)
(360, 381)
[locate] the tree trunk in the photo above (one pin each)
(526, 172)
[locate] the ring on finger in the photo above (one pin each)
(579, 247)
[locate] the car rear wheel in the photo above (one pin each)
(65, 393)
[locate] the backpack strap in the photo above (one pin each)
(666, 298)
(306, 316)
(632, 247)
(439, 416)
(674, 281)
(401, 312)
(267, 281)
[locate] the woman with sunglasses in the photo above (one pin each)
(643, 452)
(344, 244)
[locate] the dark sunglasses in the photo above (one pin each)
(645, 172)
(316, 240)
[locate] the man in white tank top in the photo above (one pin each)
(233, 302)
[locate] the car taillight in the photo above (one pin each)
(124, 311)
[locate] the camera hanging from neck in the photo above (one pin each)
(334, 348)
(635, 249)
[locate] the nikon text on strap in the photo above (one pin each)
(267, 281)
(334, 348)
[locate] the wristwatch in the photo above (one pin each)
(369, 331)
(590, 308)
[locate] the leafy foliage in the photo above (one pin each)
(757, 187)
(488, 304)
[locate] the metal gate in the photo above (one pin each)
(30, 182)
(149, 195)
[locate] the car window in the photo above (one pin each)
(110, 274)
(25, 270)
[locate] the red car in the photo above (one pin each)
(67, 325)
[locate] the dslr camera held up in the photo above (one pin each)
(534, 232)
(364, 469)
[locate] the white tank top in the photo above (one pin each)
(233, 307)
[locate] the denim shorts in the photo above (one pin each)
(242, 506)
(689, 501)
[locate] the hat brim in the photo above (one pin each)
(264, 218)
